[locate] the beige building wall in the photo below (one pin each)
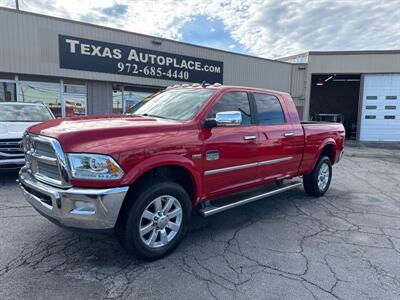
(349, 62)
(29, 45)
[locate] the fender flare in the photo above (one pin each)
(326, 142)
(167, 160)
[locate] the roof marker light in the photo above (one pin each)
(204, 84)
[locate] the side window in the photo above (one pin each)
(269, 109)
(234, 101)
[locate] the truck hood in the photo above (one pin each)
(106, 134)
(14, 130)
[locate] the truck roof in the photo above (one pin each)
(224, 87)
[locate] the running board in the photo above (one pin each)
(211, 210)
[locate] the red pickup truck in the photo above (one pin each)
(211, 147)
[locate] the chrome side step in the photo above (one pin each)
(211, 210)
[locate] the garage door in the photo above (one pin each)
(380, 118)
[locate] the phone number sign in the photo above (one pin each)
(97, 56)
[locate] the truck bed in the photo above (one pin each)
(317, 134)
(315, 122)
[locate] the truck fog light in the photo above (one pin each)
(83, 208)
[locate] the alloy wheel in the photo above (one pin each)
(323, 176)
(160, 221)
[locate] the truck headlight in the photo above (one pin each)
(94, 166)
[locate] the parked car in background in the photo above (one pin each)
(15, 118)
(207, 146)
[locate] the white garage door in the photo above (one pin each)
(380, 118)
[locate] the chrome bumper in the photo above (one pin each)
(60, 205)
(12, 161)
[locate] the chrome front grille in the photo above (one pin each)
(44, 149)
(45, 160)
(48, 170)
(11, 149)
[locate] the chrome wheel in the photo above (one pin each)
(160, 221)
(323, 176)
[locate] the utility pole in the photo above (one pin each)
(16, 5)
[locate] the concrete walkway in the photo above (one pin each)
(372, 150)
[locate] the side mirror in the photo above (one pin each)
(225, 118)
(228, 118)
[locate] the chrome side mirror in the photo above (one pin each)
(228, 118)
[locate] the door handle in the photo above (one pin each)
(288, 134)
(249, 137)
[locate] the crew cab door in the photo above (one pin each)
(230, 152)
(280, 144)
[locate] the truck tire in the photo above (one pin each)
(317, 182)
(155, 221)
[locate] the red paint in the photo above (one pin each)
(139, 144)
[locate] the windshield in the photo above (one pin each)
(24, 113)
(182, 104)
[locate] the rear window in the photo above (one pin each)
(269, 109)
(24, 113)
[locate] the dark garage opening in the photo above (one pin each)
(336, 96)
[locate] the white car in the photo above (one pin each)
(15, 118)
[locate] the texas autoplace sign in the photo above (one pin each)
(97, 56)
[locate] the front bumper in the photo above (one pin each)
(60, 205)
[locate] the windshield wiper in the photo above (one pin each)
(151, 115)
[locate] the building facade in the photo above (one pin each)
(82, 69)
(363, 86)
(77, 68)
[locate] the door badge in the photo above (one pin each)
(212, 155)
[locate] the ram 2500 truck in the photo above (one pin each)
(208, 147)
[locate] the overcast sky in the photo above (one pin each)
(266, 28)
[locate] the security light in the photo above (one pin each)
(157, 41)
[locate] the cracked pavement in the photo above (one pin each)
(345, 245)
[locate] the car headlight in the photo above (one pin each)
(94, 166)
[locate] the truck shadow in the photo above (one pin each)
(57, 251)
(88, 252)
(8, 176)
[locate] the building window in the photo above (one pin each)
(74, 99)
(126, 97)
(75, 106)
(371, 107)
(132, 97)
(370, 117)
(391, 97)
(390, 107)
(63, 99)
(372, 97)
(75, 88)
(118, 105)
(47, 93)
(8, 91)
(390, 117)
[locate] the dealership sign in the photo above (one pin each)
(96, 56)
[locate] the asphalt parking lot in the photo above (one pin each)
(345, 245)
